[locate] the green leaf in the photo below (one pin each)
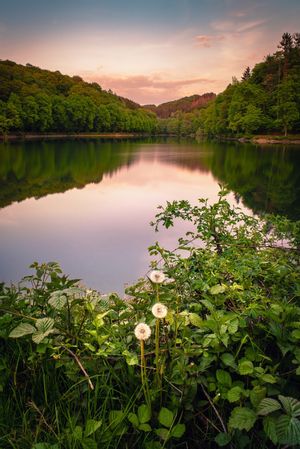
(178, 430)
(207, 304)
(195, 320)
(234, 394)
(233, 326)
(269, 423)
(132, 417)
(296, 333)
(288, 430)
(77, 433)
(222, 439)
(88, 443)
(257, 395)
(44, 328)
(91, 426)
(21, 330)
(57, 300)
(162, 433)
(217, 289)
(290, 405)
(131, 358)
(267, 406)
(228, 359)
(245, 367)
(165, 417)
(44, 324)
(242, 418)
(38, 337)
(145, 427)
(115, 418)
(268, 378)
(224, 378)
(144, 413)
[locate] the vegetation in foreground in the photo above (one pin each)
(202, 354)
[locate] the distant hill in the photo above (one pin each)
(186, 104)
(265, 101)
(37, 100)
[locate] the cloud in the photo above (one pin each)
(207, 41)
(237, 26)
(149, 89)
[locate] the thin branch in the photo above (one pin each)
(214, 408)
(40, 413)
(81, 367)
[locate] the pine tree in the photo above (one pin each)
(246, 75)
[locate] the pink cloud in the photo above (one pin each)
(235, 26)
(207, 41)
(149, 89)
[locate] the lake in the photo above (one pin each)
(87, 204)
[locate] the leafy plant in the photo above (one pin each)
(222, 345)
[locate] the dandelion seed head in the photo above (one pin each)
(157, 277)
(142, 331)
(159, 310)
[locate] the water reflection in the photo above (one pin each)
(105, 193)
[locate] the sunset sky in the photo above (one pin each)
(149, 51)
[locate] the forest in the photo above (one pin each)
(265, 100)
(33, 100)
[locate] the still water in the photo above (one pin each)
(87, 203)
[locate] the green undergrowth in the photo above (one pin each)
(221, 369)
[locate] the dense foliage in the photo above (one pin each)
(36, 100)
(185, 104)
(220, 369)
(266, 100)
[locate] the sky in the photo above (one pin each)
(149, 51)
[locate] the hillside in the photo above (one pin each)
(186, 104)
(37, 100)
(265, 100)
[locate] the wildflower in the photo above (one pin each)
(157, 277)
(159, 310)
(142, 331)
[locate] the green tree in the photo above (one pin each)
(286, 108)
(14, 112)
(45, 112)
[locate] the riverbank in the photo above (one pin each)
(69, 136)
(293, 139)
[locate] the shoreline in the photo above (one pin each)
(69, 136)
(256, 140)
(263, 140)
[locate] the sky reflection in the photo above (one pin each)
(101, 232)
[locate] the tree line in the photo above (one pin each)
(36, 100)
(265, 100)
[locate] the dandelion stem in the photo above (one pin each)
(144, 375)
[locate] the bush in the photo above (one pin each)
(220, 368)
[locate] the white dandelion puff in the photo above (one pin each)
(157, 277)
(159, 310)
(142, 331)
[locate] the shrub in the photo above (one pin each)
(220, 368)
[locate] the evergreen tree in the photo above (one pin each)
(246, 75)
